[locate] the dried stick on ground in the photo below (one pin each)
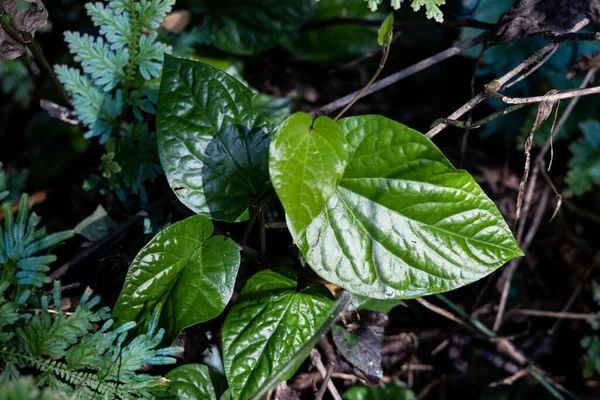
(316, 360)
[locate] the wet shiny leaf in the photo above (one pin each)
(191, 272)
(212, 145)
(401, 222)
(268, 323)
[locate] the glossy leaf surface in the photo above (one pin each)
(193, 381)
(247, 27)
(268, 323)
(191, 272)
(401, 223)
(306, 164)
(212, 145)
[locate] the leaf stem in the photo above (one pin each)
(384, 56)
(481, 122)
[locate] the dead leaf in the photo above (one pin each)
(25, 22)
(530, 17)
(176, 21)
(544, 110)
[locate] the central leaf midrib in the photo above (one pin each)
(266, 343)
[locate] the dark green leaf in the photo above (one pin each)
(396, 390)
(96, 226)
(213, 146)
(386, 31)
(344, 41)
(401, 223)
(288, 369)
(247, 27)
(193, 381)
(268, 323)
(276, 109)
(185, 268)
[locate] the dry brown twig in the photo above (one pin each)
(315, 357)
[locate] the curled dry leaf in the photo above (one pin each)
(24, 23)
(531, 17)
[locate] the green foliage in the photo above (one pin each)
(15, 81)
(20, 241)
(592, 343)
(251, 26)
(214, 147)
(377, 209)
(267, 325)
(584, 172)
(11, 184)
(25, 389)
(195, 381)
(72, 355)
(396, 390)
(386, 31)
(344, 41)
(432, 9)
(119, 71)
(183, 266)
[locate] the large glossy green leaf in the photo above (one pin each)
(194, 381)
(306, 165)
(323, 41)
(247, 27)
(191, 272)
(212, 145)
(401, 223)
(268, 323)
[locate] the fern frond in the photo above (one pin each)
(152, 12)
(20, 241)
(116, 27)
(106, 67)
(432, 9)
(150, 55)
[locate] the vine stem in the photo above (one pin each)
(384, 56)
(402, 74)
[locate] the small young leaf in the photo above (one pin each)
(187, 269)
(213, 146)
(268, 323)
(386, 31)
(401, 222)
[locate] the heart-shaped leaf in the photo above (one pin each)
(195, 381)
(192, 273)
(315, 157)
(250, 26)
(268, 323)
(212, 145)
(401, 223)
